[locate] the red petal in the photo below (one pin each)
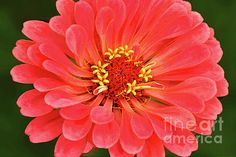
(88, 147)
(67, 148)
(103, 19)
(35, 55)
(76, 112)
(77, 39)
(182, 143)
(187, 58)
(32, 104)
(76, 130)
(177, 116)
(117, 151)
(222, 88)
(63, 74)
(128, 140)
(153, 147)
(79, 111)
(204, 126)
(189, 94)
(66, 8)
(20, 51)
(141, 126)
(45, 128)
(28, 74)
(59, 98)
(39, 31)
(106, 135)
(100, 115)
(213, 107)
(161, 127)
(83, 8)
(59, 24)
(57, 55)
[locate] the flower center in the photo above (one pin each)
(119, 75)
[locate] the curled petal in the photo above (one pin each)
(59, 98)
(100, 115)
(117, 151)
(141, 126)
(106, 135)
(76, 130)
(28, 74)
(45, 128)
(67, 148)
(128, 140)
(32, 104)
(148, 149)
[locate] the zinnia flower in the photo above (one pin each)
(109, 73)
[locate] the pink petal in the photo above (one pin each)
(103, 19)
(199, 35)
(67, 148)
(77, 39)
(222, 87)
(76, 130)
(215, 49)
(117, 151)
(83, 8)
(60, 57)
(49, 84)
(88, 148)
(39, 31)
(79, 111)
(35, 55)
(20, 51)
(131, 10)
(187, 58)
(205, 88)
(45, 128)
(76, 112)
(153, 147)
(141, 126)
(32, 104)
(177, 116)
(161, 127)
(59, 98)
(66, 8)
(189, 94)
(185, 100)
(204, 126)
(212, 109)
(28, 74)
(207, 69)
(113, 29)
(59, 24)
(63, 74)
(106, 135)
(128, 140)
(100, 115)
(186, 144)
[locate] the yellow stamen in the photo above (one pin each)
(118, 52)
(145, 73)
(132, 88)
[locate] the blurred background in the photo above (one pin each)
(219, 14)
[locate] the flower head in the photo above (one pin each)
(120, 75)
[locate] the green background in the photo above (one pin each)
(219, 14)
